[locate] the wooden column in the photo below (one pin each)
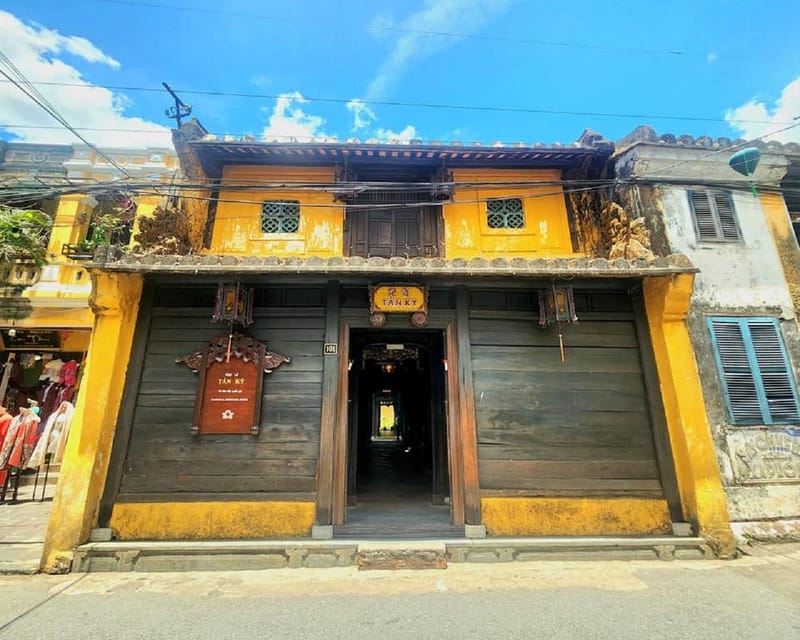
(466, 410)
(454, 457)
(340, 440)
(330, 386)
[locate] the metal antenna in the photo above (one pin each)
(180, 110)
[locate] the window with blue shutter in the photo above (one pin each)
(714, 216)
(754, 369)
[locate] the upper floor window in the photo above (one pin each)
(505, 213)
(714, 216)
(280, 216)
(756, 377)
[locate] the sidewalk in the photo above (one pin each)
(22, 529)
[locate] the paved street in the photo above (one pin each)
(754, 597)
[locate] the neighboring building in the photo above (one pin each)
(743, 318)
(45, 313)
(477, 410)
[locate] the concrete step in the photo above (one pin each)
(231, 555)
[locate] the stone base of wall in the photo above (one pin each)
(767, 530)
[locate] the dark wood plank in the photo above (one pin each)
(341, 429)
(574, 486)
(222, 466)
(497, 472)
(455, 458)
(563, 452)
(466, 405)
(166, 483)
(202, 451)
(228, 496)
(330, 384)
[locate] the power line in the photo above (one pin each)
(395, 103)
(422, 32)
(25, 86)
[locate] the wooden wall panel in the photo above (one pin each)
(163, 461)
(576, 428)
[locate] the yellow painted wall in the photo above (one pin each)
(781, 228)
(574, 516)
(212, 520)
(115, 303)
(699, 482)
(546, 232)
(237, 223)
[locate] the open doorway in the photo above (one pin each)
(398, 481)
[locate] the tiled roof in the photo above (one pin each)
(646, 134)
(115, 260)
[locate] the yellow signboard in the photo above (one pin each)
(398, 298)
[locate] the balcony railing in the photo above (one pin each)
(20, 273)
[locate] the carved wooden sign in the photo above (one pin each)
(400, 298)
(231, 372)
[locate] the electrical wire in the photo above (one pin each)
(25, 86)
(396, 103)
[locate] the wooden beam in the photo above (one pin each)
(466, 407)
(340, 440)
(454, 458)
(330, 386)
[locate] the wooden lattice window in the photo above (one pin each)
(714, 216)
(280, 216)
(754, 368)
(505, 213)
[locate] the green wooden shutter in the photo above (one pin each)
(754, 368)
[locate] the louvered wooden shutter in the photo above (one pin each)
(779, 387)
(726, 216)
(758, 382)
(714, 216)
(703, 216)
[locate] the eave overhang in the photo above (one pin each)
(212, 265)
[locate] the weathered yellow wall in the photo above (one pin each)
(237, 224)
(546, 232)
(781, 228)
(699, 481)
(115, 302)
(574, 516)
(212, 520)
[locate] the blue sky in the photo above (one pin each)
(703, 63)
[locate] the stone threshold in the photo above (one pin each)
(232, 555)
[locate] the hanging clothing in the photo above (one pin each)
(69, 373)
(5, 422)
(19, 441)
(50, 442)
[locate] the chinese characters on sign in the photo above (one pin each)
(399, 298)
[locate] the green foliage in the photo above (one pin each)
(23, 235)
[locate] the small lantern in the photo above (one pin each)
(556, 304)
(234, 304)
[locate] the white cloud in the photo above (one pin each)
(419, 40)
(772, 118)
(288, 121)
(407, 134)
(363, 116)
(35, 51)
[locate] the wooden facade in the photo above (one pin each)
(492, 421)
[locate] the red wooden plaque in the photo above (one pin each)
(229, 389)
(230, 397)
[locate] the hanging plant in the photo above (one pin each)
(24, 234)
